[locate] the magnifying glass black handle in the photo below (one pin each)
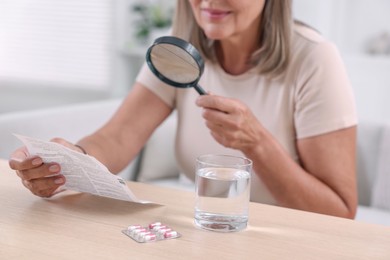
(200, 90)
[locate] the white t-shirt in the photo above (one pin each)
(312, 97)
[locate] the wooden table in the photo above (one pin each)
(82, 226)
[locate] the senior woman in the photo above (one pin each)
(278, 94)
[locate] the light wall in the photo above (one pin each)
(352, 25)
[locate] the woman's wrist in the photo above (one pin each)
(81, 148)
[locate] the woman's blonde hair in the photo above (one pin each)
(276, 24)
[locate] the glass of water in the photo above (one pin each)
(222, 192)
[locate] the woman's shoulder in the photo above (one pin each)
(309, 44)
(305, 33)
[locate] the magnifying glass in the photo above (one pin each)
(176, 62)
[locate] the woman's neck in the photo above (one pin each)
(234, 54)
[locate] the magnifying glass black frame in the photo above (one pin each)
(187, 47)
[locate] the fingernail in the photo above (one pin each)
(54, 168)
(59, 181)
(37, 161)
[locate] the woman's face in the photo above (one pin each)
(221, 19)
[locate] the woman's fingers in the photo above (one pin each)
(214, 102)
(44, 187)
(44, 170)
(66, 144)
(40, 178)
(20, 160)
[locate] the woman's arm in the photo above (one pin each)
(122, 137)
(115, 144)
(323, 181)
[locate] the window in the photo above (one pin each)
(56, 43)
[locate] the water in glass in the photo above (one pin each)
(222, 198)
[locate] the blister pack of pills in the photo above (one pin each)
(153, 232)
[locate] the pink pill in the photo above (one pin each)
(133, 227)
(157, 228)
(150, 237)
(162, 231)
(170, 234)
(134, 232)
(152, 225)
(141, 235)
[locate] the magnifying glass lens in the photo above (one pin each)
(174, 63)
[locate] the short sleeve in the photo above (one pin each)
(162, 90)
(324, 97)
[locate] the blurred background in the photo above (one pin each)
(55, 52)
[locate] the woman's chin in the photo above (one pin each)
(218, 35)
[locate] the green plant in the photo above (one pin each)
(150, 17)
